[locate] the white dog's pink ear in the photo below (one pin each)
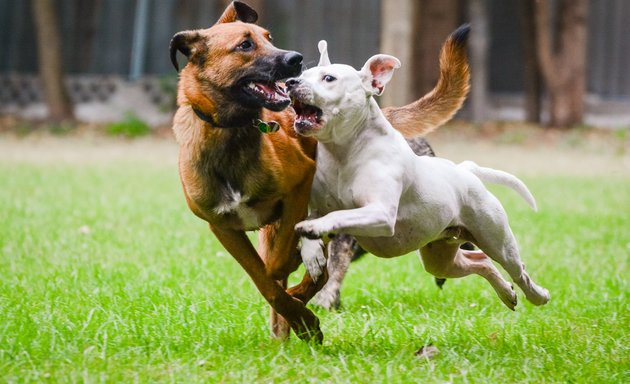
(378, 71)
(322, 46)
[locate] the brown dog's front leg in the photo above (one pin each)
(278, 325)
(277, 244)
(303, 322)
(307, 288)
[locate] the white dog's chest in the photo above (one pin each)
(330, 194)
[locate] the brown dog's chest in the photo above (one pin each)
(230, 190)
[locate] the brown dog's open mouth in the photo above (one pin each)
(271, 95)
(306, 116)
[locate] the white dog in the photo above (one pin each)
(371, 185)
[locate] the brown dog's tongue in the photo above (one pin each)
(271, 90)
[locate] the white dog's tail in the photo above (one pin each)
(490, 175)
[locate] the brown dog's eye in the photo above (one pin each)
(328, 78)
(246, 45)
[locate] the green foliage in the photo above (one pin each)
(621, 135)
(131, 126)
(106, 276)
(61, 128)
(24, 128)
(512, 137)
(168, 85)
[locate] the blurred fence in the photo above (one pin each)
(98, 36)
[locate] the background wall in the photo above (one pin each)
(98, 38)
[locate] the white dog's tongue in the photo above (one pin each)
(306, 115)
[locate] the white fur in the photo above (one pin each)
(370, 184)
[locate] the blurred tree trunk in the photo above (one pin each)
(433, 21)
(479, 45)
(49, 58)
(563, 68)
(396, 40)
(533, 84)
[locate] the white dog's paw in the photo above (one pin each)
(540, 295)
(311, 229)
(313, 257)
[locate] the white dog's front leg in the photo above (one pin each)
(373, 220)
(313, 257)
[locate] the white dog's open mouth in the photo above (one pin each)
(307, 116)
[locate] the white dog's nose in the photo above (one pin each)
(292, 82)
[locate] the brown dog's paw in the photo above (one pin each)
(307, 327)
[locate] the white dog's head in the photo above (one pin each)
(332, 96)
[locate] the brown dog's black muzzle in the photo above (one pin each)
(259, 83)
(281, 65)
(293, 62)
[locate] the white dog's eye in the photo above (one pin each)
(328, 78)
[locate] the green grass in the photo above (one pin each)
(131, 126)
(105, 276)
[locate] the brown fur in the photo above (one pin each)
(222, 154)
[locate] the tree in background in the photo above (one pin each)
(49, 61)
(562, 60)
(532, 77)
(414, 31)
(479, 43)
(396, 28)
(433, 21)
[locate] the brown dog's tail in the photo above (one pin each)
(438, 106)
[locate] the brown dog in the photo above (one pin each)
(239, 179)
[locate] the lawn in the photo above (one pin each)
(105, 276)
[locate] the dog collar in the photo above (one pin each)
(263, 126)
(266, 127)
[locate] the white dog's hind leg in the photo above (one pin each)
(494, 237)
(509, 259)
(444, 258)
(341, 251)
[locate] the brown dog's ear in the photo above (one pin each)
(238, 11)
(183, 42)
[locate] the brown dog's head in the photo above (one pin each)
(233, 67)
